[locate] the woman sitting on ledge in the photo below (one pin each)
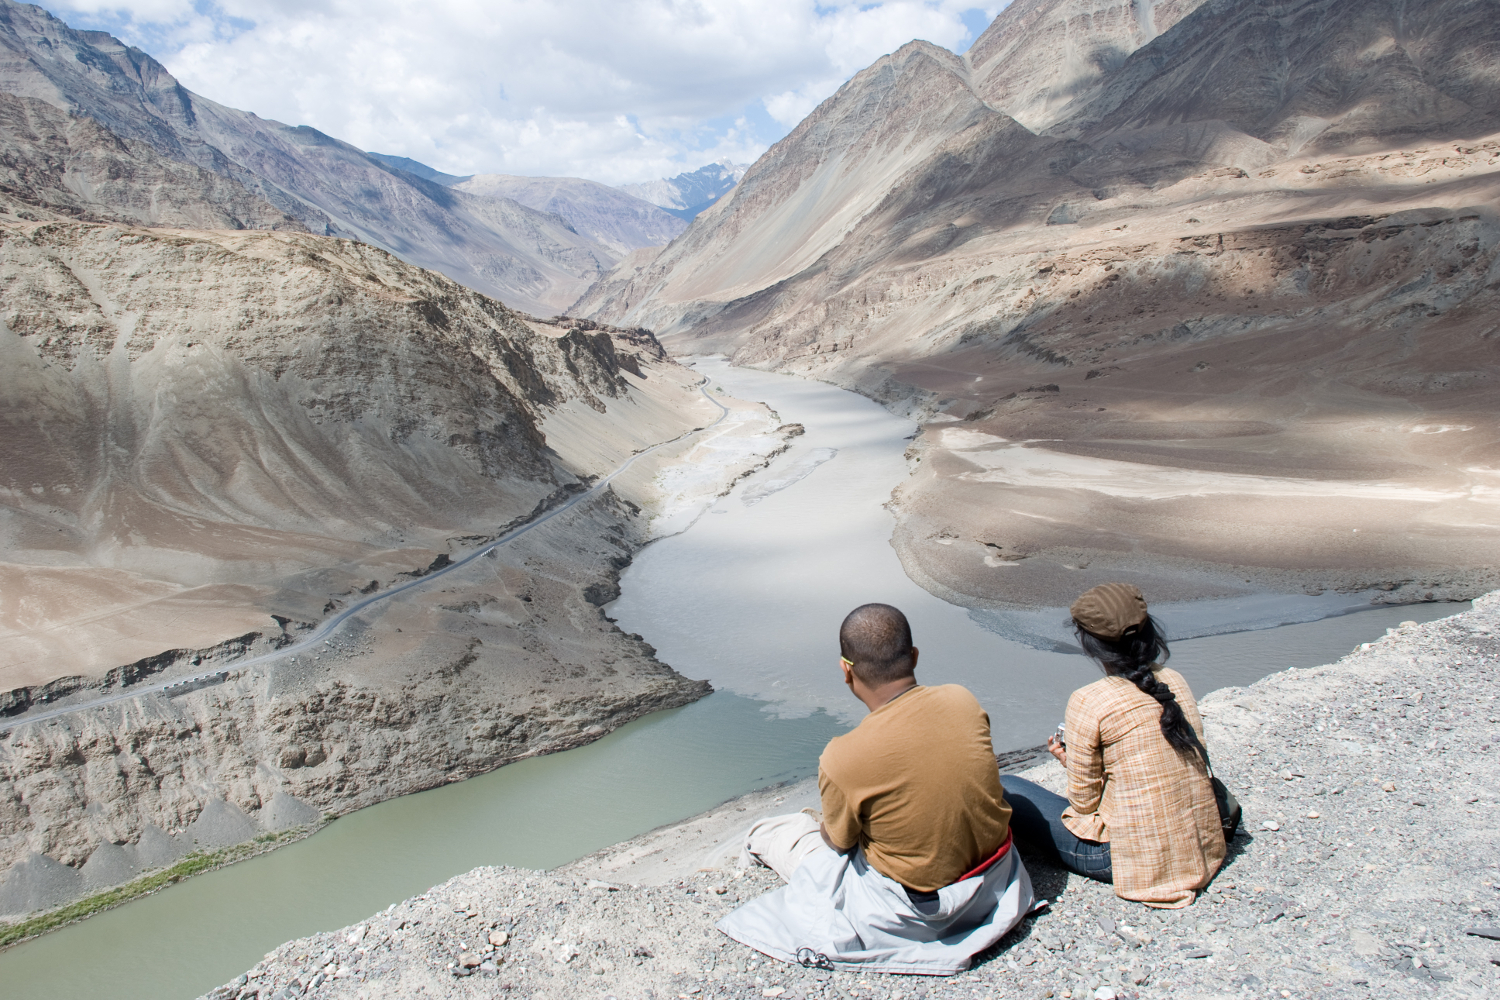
(1140, 810)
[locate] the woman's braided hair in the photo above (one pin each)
(1131, 656)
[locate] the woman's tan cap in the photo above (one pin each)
(1109, 609)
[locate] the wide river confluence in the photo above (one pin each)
(750, 598)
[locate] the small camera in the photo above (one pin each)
(1060, 740)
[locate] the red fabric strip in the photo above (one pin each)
(984, 866)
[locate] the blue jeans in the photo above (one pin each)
(1036, 820)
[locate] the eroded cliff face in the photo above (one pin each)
(504, 660)
(214, 440)
(1210, 296)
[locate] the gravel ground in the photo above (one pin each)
(1369, 789)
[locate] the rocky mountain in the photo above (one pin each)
(859, 151)
(607, 215)
(1212, 251)
(688, 194)
(526, 258)
(422, 170)
(54, 165)
(1037, 60)
(221, 422)
(185, 410)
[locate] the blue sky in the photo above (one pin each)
(613, 90)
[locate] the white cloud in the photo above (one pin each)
(615, 90)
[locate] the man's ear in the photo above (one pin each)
(914, 652)
(848, 671)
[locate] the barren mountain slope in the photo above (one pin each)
(54, 165)
(1190, 340)
(1315, 76)
(212, 441)
(329, 185)
(188, 410)
(607, 215)
(906, 113)
(543, 262)
(1040, 56)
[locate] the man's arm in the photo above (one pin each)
(840, 826)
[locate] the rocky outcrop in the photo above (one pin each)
(525, 257)
(106, 794)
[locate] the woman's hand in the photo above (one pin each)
(1058, 750)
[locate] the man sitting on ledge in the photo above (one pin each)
(910, 867)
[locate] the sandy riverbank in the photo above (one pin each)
(1369, 792)
(995, 519)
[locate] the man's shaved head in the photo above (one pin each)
(876, 638)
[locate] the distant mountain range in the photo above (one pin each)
(614, 218)
(630, 217)
(687, 195)
(144, 117)
(97, 130)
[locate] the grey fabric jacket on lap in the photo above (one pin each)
(838, 912)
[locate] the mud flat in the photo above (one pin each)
(1338, 885)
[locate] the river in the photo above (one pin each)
(750, 598)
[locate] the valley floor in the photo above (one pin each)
(1369, 788)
